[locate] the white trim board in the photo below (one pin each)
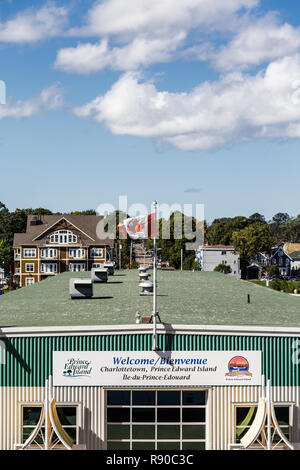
(148, 329)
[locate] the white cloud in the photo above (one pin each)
(261, 41)
(32, 25)
(49, 98)
(117, 17)
(141, 32)
(236, 108)
(142, 51)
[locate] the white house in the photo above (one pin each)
(211, 256)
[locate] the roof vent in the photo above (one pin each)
(146, 288)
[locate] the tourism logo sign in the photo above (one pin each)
(156, 368)
(238, 366)
(77, 368)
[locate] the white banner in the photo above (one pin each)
(152, 369)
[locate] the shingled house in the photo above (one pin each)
(53, 244)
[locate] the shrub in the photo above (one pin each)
(276, 285)
(223, 268)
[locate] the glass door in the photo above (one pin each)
(156, 419)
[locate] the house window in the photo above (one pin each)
(49, 268)
(156, 419)
(97, 252)
(224, 253)
(29, 252)
(48, 253)
(76, 267)
(29, 267)
(63, 237)
(67, 416)
(245, 414)
(29, 281)
(76, 253)
(97, 265)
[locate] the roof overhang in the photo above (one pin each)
(148, 329)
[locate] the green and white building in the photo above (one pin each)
(202, 315)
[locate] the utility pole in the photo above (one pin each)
(10, 279)
(181, 260)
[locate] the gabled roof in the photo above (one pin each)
(63, 218)
(280, 248)
(86, 224)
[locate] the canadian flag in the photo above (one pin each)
(140, 227)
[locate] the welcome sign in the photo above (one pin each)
(155, 368)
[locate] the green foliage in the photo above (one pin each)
(171, 245)
(223, 268)
(111, 223)
(252, 240)
(221, 230)
(257, 218)
(291, 229)
(87, 212)
(275, 285)
(196, 265)
(273, 270)
(6, 255)
(277, 225)
(286, 286)
(134, 264)
(11, 223)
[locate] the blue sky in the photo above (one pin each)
(198, 103)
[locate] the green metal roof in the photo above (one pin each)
(295, 254)
(191, 298)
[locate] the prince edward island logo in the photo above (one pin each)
(238, 366)
(77, 368)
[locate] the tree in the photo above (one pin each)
(170, 243)
(257, 218)
(221, 230)
(223, 268)
(111, 223)
(252, 240)
(280, 218)
(277, 225)
(6, 255)
(273, 270)
(291, 229)
(87, 212)
(11, 223)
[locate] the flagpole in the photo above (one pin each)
(154, 347)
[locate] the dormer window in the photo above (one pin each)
(63, 237)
